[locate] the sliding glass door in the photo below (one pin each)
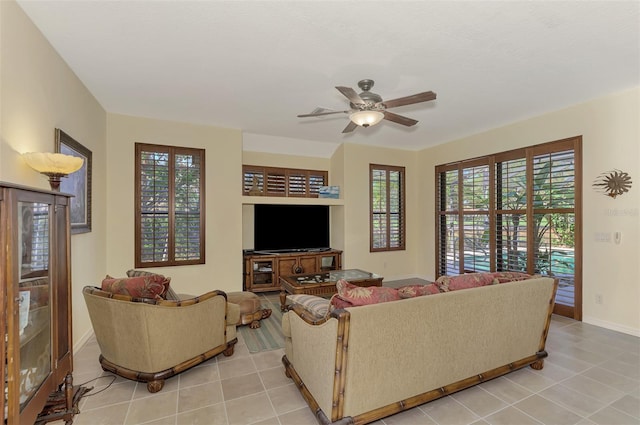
(515, 211)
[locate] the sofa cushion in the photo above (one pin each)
(411, 291)
(169, 294)
(358, 295)
(153, 286)
(463, 281)
(318, 307)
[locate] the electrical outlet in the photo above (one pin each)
(598, 298)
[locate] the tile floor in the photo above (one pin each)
(592, 376)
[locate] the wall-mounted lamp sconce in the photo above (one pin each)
(53, 165)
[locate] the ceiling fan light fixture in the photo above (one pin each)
(366, 118)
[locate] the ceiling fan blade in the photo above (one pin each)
(351, 94)
(319, 114)
(350, 127)
(399, 119)
(408, 100)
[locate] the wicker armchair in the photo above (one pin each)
(151, 340)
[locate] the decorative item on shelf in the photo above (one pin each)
(332, 192)
(53, 165)
(24, 303)
(255, 189)
(613, 183)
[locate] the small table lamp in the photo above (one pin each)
(53, 165)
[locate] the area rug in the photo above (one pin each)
(269, 335)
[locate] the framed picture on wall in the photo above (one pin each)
(77, 184)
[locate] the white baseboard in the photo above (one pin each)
(611, 326)
(83, 340)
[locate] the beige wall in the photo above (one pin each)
(38, 93)
(285, 161)
(610, 133)
(356, 159)
(223, 156)
(337, 218)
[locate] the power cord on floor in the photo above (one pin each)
(112, 377)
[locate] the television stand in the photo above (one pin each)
(262, 269)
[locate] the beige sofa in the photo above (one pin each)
(149, 340)
(363, 363)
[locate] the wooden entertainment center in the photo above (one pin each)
(262, 270)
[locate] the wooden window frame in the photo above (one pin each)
(172, 151)
(272, 178)
(528, 154)
(402, 201)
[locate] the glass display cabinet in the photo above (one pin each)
(35, 293)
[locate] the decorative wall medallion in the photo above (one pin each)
(613, 183)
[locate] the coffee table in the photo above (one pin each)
(324, 283)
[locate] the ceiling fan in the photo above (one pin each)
(368, 108)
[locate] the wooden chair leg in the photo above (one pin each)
(155, 386)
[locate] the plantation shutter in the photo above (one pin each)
(475, 218)
(154, 205)
(316, 180)
(170, 209)
(297, 184)
(511, 214)
(396, 236)
(276, 183)
(286, 182)
(187, 206)
(554, 217)
(387, 208)
(448, 222)
(252, 179)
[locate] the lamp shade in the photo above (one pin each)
(53, 163)
(366, 118)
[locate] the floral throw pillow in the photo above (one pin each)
(358, 295)
(504, 277)
(153, 286)
(412, 291)
(463, 281)
(336, 303)
(169, 294)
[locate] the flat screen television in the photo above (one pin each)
(290, 227)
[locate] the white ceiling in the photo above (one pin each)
(255, 65)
